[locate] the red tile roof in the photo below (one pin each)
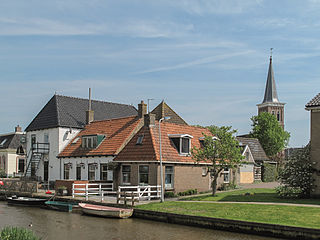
(149, 149)
(117, 132)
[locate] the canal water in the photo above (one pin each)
(53, 225)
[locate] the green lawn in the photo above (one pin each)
(256, 195)
(284, 215)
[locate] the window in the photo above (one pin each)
(204, 171)
(91, 142)
(139, 140)
(169, 177)
(182, 142)
(273, 113)
(91, 172)
(278, 116)
(126, 172)
(21, 165)
(247, 156)
(226, 175)
(144, 175)
(33, 138)
(103, 172)
(46, 138)
(66, 172)
(78, 172)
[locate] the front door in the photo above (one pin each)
(46, 171)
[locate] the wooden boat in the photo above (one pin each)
(61, 206)
(105, 211)
(26, 201)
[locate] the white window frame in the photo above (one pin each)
(171, 185)
(143, 184)
(95, 174)
(226, 172)
(122, 179)
(89, 142)
(182, 136)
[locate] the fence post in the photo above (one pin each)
(118, 195)
(102, 196)
(87, 196)
(138, 191)
(72, 190)
(149, 193)
(99, 189)
(125, 198)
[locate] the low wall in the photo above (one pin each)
(17, 185)
(263, 229)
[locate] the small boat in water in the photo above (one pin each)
(61, 206)
(105, 211)
(26, 201)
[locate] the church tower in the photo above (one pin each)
(271, 102)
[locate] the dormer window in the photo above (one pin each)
(92, 141)
(182, 142)
(201, 140)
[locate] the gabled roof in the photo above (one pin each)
(149, 149)
(12, 141)
(163, 110)
(255, 147)
(63, 111)
(117, 133)
(270, 94)
(314, 102)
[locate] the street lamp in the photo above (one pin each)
(161, 170)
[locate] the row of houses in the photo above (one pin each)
(79, 139)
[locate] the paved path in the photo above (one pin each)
(259, 185)
(260, 203)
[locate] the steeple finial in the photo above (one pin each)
(271, 53)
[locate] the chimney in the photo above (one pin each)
(149, 120)
(18, 129)
(89, 112)
(142, 109)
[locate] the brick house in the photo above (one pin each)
(314, 107)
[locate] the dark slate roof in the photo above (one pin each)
(63, 111)
(255, 148)
(270, 94)
(315, 102)
(12, 141)
(163, 110)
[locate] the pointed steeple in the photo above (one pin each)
(270, 94)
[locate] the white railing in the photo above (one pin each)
(137, 193)
(91, 189)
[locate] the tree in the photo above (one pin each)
(272, 137)
(296, 175)
(221, 150)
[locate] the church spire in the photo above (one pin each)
(270, 94)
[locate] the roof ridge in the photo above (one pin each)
(112, 119)
(93, 100)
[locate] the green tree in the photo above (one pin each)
(271, 135)
(221, 151)
(296, 175)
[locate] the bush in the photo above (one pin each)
(288, 192)
(297, 172)
(169, 194)
(17, 233)
(227, 186)
(2, 173)
(188, 192)
(269, 172)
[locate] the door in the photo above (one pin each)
(46, 171)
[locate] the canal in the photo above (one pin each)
(50, 225)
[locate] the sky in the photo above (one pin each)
(208, 59)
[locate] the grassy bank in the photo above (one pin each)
(252, 195)
(283, 215)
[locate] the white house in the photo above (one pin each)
(59, 121)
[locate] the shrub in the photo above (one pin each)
(297, 172)
(169, 194)
(17, 233)
(227, 186)
(188, 192)
(288, 192)
(2, 173)
(269, 172)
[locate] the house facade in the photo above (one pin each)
(59, 121)
(13, 153)
(314, 107)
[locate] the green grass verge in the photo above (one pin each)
(284, 215)
(256, 195)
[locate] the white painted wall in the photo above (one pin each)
(84, 171)
(58, 140)
(11, 161)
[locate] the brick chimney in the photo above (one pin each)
(142, 109)
(149, 120)
(18, 129)
(89, 112)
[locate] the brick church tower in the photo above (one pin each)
(271, 102)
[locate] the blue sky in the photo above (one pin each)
(208, 59)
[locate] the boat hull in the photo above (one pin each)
(104, 211)
(24, 201)
(60, 206)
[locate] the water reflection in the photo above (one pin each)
(58, 225)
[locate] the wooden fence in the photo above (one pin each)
(137, 193)
(92, 189)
